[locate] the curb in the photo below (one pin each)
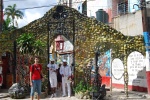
(4, 96)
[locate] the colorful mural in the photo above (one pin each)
(104, 64)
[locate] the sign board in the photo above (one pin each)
(117, 71)
(136, 69)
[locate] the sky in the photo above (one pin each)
(30, 14)
(93, 6)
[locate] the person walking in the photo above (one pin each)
(65, 72)
(72, 77)
(35, 78)
(59, 78)
(52, 67)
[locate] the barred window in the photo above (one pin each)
(123, 7)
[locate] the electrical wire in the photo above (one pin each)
(54, 4)
(13, 0)
(45, 5)
(37, 7)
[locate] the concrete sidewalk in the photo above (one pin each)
(4, 93)
(116, 94)
(119, 94)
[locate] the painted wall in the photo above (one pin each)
(129, 24)
(104, 64)
(130, 6)
(114, 8)
(136, 72)
(67, 46)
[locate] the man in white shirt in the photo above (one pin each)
(65, 71)
(52, 67)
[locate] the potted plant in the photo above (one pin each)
(82, 90)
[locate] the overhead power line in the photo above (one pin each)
(44, 6)
(13, 0)
(36, 7)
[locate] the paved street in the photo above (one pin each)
(117, 94)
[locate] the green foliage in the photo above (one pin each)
(26, 43)
(13, 13)
(7, 26)
(82, 87)
(45, 83)
(38, 47)
(29, 45)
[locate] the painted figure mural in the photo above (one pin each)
(104, 64)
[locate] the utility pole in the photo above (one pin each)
(1, 15)
(147, 40)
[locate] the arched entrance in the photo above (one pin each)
(61, 26)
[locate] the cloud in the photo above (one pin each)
(29, 17)
(33, 13)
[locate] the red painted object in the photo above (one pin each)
(59, 43)
(1, 80)
(130, 87)
(106, 80)
(148, 81)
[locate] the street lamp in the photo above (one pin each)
(142, 6)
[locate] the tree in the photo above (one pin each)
(7, 25)
(38, 47)
(13, 13)
(28, 44)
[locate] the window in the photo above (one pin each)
(123, 8)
